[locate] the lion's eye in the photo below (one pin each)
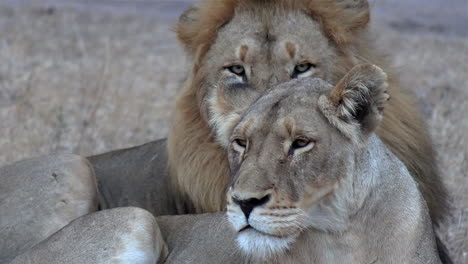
(301, 145)
(302, 68)
(239, 144)
(237, 70)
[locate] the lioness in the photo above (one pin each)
(310, 182)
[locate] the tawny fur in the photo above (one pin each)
(197, 162)
(329, 199)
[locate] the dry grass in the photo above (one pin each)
(85, 83)
(89, 82)
(436, 69)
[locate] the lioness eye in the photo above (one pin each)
(301, 68)
(237, 69)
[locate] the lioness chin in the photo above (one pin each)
(312, 183)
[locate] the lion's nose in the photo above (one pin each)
(247, 205)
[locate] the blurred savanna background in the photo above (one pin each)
(89, 76)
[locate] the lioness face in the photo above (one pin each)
(293, 152)
(257, 49)
(284, 157)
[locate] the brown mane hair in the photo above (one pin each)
(198, 164)
(337, 21)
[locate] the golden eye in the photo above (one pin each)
(237, 70)
(301, 69)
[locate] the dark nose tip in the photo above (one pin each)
(249, 204)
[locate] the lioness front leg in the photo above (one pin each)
(121, 235)
(40, 196)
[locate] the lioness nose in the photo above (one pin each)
(248, 205)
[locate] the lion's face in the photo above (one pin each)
(292, 154)
(257, 49)
(239, 49)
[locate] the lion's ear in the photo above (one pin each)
(189, 16)
(186, 28)
(358, 100)
(358, 5)
(359, 13)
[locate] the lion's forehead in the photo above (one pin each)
(279, 34)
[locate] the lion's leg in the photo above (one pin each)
(121, 235)
(40, 196)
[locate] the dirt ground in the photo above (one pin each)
(92, 76)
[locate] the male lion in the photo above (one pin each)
(262, 43)
(310, 182)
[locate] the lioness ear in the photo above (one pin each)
(358, 99)
(186, 28)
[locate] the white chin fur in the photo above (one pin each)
(222, 123)
(263, 246)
